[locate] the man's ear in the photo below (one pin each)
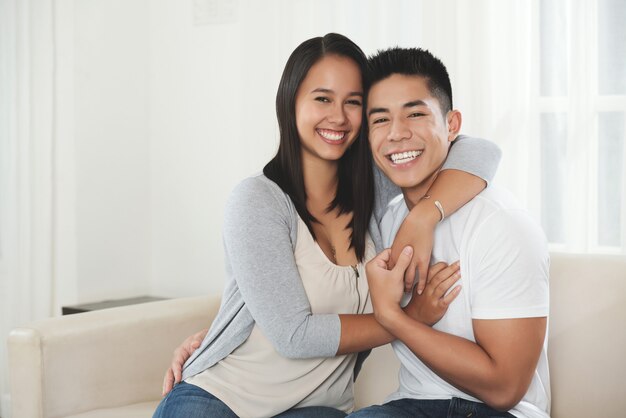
(454, 120)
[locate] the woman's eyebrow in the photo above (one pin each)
(324, 90)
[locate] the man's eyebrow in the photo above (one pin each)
(407, 105)
(415, 103)
(324, 90)
(377, 110)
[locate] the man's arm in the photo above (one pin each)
(497, 368)
(509, 285)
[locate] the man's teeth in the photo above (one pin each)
(331, 135)
(404, 157)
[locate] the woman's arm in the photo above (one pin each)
(259, 253)
(259, 256)
(470, 165)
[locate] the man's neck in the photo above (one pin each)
(412, 195)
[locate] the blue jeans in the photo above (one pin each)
(426, 408)
(190, 401)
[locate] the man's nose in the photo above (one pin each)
(399, 130)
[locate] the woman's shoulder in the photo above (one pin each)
(258, 192)
(258, 186)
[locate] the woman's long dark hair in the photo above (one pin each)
(355, 189)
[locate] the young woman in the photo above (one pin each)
(295, 310)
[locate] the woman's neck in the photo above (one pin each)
(320, 180)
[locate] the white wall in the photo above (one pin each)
(157, 115)
(107, 143)
(212, 117)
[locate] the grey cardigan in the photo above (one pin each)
(263, 285)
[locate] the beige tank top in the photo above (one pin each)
(255, 381)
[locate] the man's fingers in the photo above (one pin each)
(447, 299)
(435, 269)
(422, 272)
(445, 278)
(168, 382)
(409, 277)
(177, 366)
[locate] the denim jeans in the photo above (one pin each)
(427, 408)
(190, 401)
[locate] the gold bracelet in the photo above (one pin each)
(441, 212)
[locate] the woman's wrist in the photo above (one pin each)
(426, 212)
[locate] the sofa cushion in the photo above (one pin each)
(138, 410)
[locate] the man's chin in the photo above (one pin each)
(403, 182)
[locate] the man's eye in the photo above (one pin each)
(379, 120)
(416, 115)
(322, 99)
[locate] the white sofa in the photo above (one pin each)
(110, 363)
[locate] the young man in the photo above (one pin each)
(487, 355)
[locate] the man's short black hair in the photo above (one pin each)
(412, 61)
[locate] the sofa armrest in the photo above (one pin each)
(112, 357)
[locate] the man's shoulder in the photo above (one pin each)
(496, 218)
(493, 211)
(495, 198)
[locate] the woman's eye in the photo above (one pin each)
(354, 102)
(323, 99)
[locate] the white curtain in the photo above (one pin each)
(26, 149)
(546, 80)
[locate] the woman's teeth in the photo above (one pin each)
(404, 157)
(331, 135)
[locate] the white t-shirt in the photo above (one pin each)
(504, 274)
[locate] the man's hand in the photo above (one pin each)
(387, 286)
(416, 231)
(432, 304)
(173, 375)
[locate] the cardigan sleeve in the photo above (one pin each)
(259, 251)
(476, 156)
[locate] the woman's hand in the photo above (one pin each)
(174, 374)
(417, 232)
(432, 304)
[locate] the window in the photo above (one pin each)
(582, 124)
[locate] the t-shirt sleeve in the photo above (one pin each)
(476, 156)
(260, 258)
(509, 265)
